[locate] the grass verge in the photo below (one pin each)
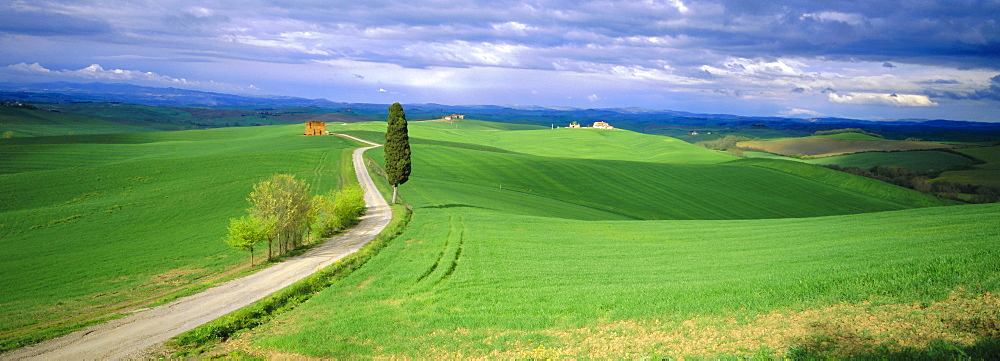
(193, 342)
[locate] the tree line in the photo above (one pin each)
(284, 216)
(922, 180)
(848, 130)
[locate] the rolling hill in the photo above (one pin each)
(825, 146)
(567, 259)
(526, 242)
(93, 224)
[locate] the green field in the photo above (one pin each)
(526, 242)
(837, 144)
(24, 122)
(913, 160)
(556, 143)
(93, 223)
(568, 259)
(984, 174)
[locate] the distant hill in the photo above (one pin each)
(677, 124)
(65, 92)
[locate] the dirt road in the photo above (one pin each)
(127, 337)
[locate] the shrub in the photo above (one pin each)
(337, 211)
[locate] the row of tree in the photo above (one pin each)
(848, 130)
(923, 181)
(284, 216)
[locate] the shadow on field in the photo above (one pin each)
(832, 347)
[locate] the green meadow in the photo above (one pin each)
(639, 247)
(94, 224)
(913, 160)
(985, 174)
(837, 144)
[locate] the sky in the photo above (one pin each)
(859, 59)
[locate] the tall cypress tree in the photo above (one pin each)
(397, 149)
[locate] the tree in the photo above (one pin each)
(397, 149)
(246, 232)
(286, 201)
(337, 211)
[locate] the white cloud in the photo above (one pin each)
(512, 28)
(896, 100)
(491, 54)
(828, 16)
(294, 41)
(28, 68)
(593, 97)
(679, 5)
(797, 111)
(756, 68)
(97, 72)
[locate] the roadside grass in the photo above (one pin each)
(94, 225)
(469, 282)
(201, 338)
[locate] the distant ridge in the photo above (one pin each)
(632, 118)
(65, 92)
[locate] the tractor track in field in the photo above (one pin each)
(131, 336)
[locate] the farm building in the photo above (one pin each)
(316, 127)
(603, 125)
(574, 125)
(454, 116)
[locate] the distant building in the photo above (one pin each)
(574, 125)
(693, 132)
(603, 125)
(316, 127)
(454, 116)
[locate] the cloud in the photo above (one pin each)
(939, 82)
(774, 53)
(97, 72)
(593, 97)
(46, 23)
(896, 100)
(798, 112)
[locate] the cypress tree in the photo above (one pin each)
(397, 149)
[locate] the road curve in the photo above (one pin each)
(126, 338)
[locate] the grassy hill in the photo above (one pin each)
(471, 282)
(831, 145)
(567, 259)
(985, 174)
(558, 143)
(914, 160)
(93, 223)
(26, 122)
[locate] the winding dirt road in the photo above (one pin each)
(128, 337)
